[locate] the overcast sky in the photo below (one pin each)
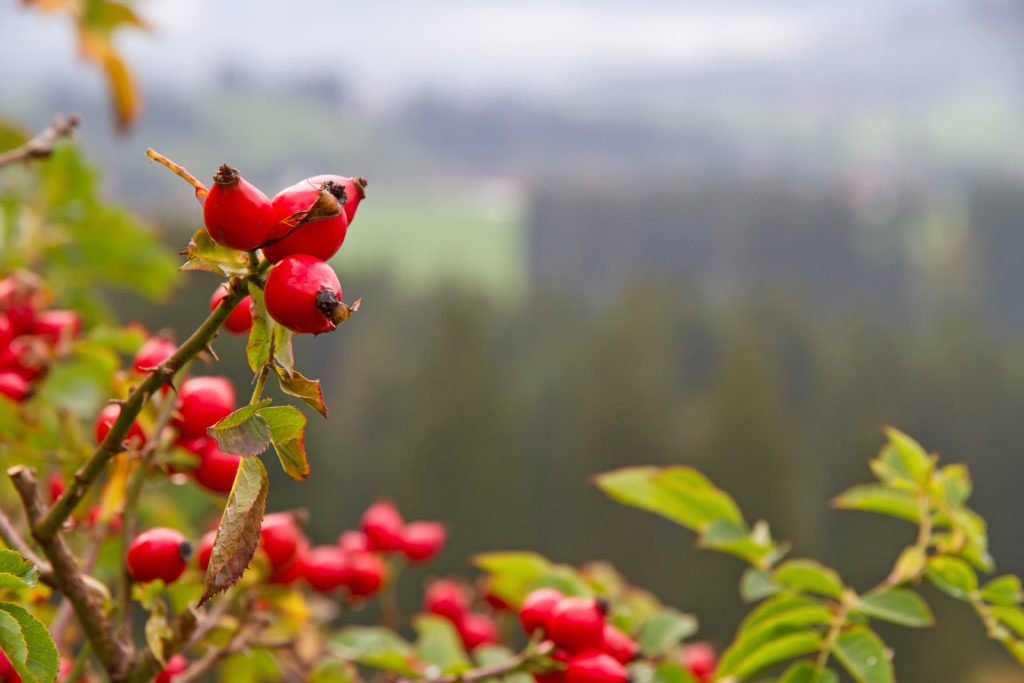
(386, 48)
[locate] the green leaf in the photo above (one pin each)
(257, 348)
(808, 672)
(378, 647)
(783, 621)
(784, 602)
(864, 655)
(757, 584)
(1011, 616)
(914, 460)
(681, 494)
(879, 498)
(898, 605)
(287, 432)
(671, 672)
(772, 652)
(157, 631)
(16, 571)
(952, 575)
(975, 530)
(283, 353)
(513, 574)
(809, 576)
(239, 532)
(300, 387)
(205, 254)
(734, 538)
(954, 483)
(1004, 590)
(439, 644)
(243, 432)
(666, 629)
(42, 659)
(13, 644)
(909, 564)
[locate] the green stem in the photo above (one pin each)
(521, 662)
(261, 379)
(89, 472)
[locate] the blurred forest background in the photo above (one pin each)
(741, 236)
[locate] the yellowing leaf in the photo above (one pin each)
(239, 532)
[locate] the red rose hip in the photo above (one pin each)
(236, 213)
(383, 526)
(217, 469)
(700, 659)
(537, 607)
(595, 667)
(320, 238)
(447, 598)
(422, 541)
(175, 665)
(202, 402)
(577, 624)
(159, 553)
(477, 629)
(326, 568)
(57, 326)
(105, 420)
(280, 537)
(240, 320)
(303, 294)
(618, 644)
(13, 386)
(152, 353)
(366, 574)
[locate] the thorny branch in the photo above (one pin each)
(41, 146)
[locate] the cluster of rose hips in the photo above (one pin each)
(302, 227)
(452, 600)
(31, 337)
(356, 563)
(201, 402)
(587, 648)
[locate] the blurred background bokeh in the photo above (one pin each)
(739, 235)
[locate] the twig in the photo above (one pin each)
(13, 540)
(41, 146)
(241, 640)
(129, 514)
(179, 171)
(116, 656)
(46, 527)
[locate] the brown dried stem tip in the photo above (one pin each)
(361, 184)
(338, 191)
(226, 175)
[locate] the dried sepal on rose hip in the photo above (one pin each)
(237, 214)
(303, 294)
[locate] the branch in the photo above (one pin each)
(113, 654)
(41, 146)
(241, 640)
(13, 540)
(45, 528)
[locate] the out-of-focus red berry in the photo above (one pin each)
(202, 402)
(537, 607)
(353, 541)
(326, 568)
(217, 469)
(205, 549)
(619, 645)
(152, 353)
(422, 541)
(577, 624)
(58, 326)
(447, 598)
(700, 659)
(366, 574)
(175, 665)
(383, 526)
(105, 420)
(158, 553)
(280, 537)
(477, 629)
(240, 319)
